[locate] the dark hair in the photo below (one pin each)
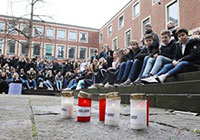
(165, 32)
(148, 36)
(183, 30)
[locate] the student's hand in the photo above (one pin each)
(155, 55)
(174, 62)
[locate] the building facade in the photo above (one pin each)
(129, 22)
(51, 40)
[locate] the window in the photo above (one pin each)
(136, 10)
(109, 30)
(61, 34)
(60, 51)
(144, 22)
(12, 28)
(23, 48)
(92, 52)
(121, 22)
(82, 53)
(36, 49)
(100, 37)
(25, 29)
(72, 36)
(1, 46)
(71, 52)
(114, 44)
(172, 12)
(2, 27)
(38, 31)
(50, 33)
(83, 37)
(155, 1)
(11, 47)
(48, 51)
(128, 38)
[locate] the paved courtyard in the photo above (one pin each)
(38, 117)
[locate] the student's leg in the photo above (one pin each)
(34, 83)
(57, 85)
(160, 61)
(143, 66)
(165, 69)
(61, 84)
(135, 70)
(127, 70)
(148, 67)
(121, 71)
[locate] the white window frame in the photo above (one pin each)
(45, 49)
(123, 21)
(92, 49)
(100, 41)
(4, 27)
(68, 51)
(69, 35)
(33, 48)
(7, 47)
(154, 3)
(2, 45)
(130, 29)
(86, 55)
(80, 37)
(21, 28)
(133, 10)
(166, 16)
(35, 26)
(142, 23)
(51, 28)
(57, 51)
(64, 36)
(8, 29)
(108, 33)
(113, 43)
(20, 47)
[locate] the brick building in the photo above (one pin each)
(129, 22)
(64, 41)
(51, 40)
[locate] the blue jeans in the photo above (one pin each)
(135, 70)
(72, 83)
(127, 69)
(121, 71)
(160, 61)
(143, 66)
(48, 84)
(170, 69)
(148, 67)
(25, 82)
(59, 85)
(34, 83)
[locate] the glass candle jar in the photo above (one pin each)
(112, 109)
(139, 111)
(84, 107)
(67, 103)
(102, 106)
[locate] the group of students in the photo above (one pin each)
(151, 62)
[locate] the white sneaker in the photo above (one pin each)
(151, 79)
(67, 89)
(92, 87)
(107, 85)
(162, 78)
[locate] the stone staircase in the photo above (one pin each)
(181, 92)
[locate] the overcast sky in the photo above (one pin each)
(88, 13)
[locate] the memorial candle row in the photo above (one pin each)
(109, 108)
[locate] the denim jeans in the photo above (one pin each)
(160, 62)
(121, 71)
(25, 82)
(148, 67)
(143, 66)
(170, 69)
(135, 70)
(127, 70)
(48, 84)
(59, 85)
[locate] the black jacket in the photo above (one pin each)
(169, 50)
(192, 51)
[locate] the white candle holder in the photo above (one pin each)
(67, 103)
(112, 109)
(139, 111)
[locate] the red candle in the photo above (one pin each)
(84, 107)
(147, 112)
(102, 107)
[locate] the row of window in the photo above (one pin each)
(48, 50)
(49, 32)
(172, 12)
